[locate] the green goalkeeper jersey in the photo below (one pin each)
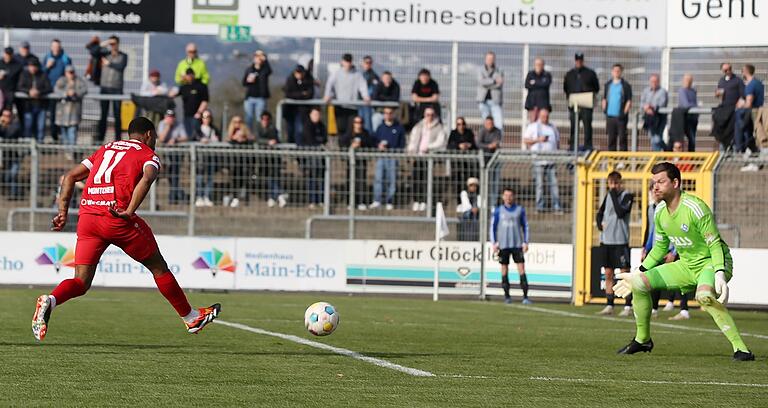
(693, 232)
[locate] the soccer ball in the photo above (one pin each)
(321, 319)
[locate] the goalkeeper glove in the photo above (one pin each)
(721, 287)
(628, 281)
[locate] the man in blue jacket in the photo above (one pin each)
(54, 63)
(390, 135)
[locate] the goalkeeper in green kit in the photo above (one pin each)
(705, 264)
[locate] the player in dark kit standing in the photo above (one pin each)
(119, 176)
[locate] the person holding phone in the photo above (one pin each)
(541, 137)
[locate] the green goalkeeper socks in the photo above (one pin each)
(726, 324)
(642, 308)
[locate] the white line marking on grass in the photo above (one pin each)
(624, 320)
(661, 382)
(479, 377)
(338, 350)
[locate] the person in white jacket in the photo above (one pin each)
(427, 136)
(468, 211)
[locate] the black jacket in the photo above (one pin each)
(295, 89)
(579, 80)
(11, 79)
(366, 140)
(389, 93)
(538, 90)
(723, 121)
(315, 134)
(677, 123)
(457, 138)
(260, 87)
(626, 95)
(40, 81)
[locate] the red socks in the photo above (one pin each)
(68, 289)
(168, 286)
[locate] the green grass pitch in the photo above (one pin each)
(122, 348)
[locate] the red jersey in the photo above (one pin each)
(115, 170)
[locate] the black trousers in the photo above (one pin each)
(419, 174)
(616, 128)
(585, 117)
(105, 112)
(344, 119)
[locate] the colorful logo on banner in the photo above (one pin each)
(58, 256)
(215, 261)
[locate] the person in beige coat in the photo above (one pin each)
(69, 110)
(428, 135)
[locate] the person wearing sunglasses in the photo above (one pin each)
(192, 60)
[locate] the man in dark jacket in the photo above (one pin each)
(10, 70)
(10, 132)
(617, 101)
(194, 96)
(313, 167)
(35, 84)
(581, 79)
(256, 83)
(297, 86)
(537, 82)
(387, 90)
(389, 136)
(356, 138)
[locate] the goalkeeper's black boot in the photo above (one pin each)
(635, 347)
(743, 356)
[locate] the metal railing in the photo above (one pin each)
(638, 118)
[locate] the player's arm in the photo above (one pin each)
(494, 226)
(525, 229)
(660, 247)
(77, 173)
(708, 230)
(139, 193)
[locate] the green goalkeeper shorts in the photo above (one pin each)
(678, 276)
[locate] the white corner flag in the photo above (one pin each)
(441, 231)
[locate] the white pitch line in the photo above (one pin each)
(660, 382)
(338, 350)
(616, 319)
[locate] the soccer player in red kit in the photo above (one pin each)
(119, 176)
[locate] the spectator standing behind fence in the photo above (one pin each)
(156, 92)
(469, 211)
(490, 87)
(54, 63)
(35, 84)
(69, 110)
(194, 96)
(24, 56)
(171, 133)
(425, 94)
(617, 101)
(489, 140)
(241, 165)
(10, 132)
(112, 73)
(462, 140)
(313, 167)
(389, 137)
(613, 223)
(192, 60)
(256, 83)
(297, 86)
(578, 80)
(10, 70)
(542, 137)
(654, 98)
(357, 138)
(346, 85)
(271, 166)
(428, 135)
(372, 81)
(509, 236)
(207, 164)
(754, 95)
(687, 99)
(537, 82)
(730, 90)
(387, 90)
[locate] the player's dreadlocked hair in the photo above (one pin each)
(140, 126)
(672, 171)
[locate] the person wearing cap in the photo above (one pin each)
(25, 53)
(10, 69)
(69, 111)
(194, 96)
(192, 60)
(469, 211)
(153, 85)
(490, 90)
(155, 90)
(542, 137)
(346, 85)
(54, 63)
(581, 79)
(112, 74)
(297, 86)
(171, 133)
(36, 85)
(256, 83)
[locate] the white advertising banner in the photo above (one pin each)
(717, 23)
(568, 22)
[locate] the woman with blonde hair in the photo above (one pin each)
(241, 165)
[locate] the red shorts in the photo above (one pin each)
(95, 233)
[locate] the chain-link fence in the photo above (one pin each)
(740, 200)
